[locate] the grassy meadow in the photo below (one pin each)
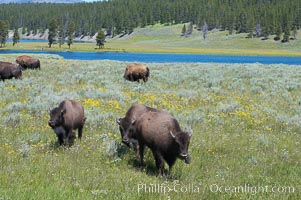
(167, 39)
(245, 120)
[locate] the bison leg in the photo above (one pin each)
(159, 162)
(131, 77)
(171, 161)
(141, 152)
(70, 138)
(61, 139)
(80, 132)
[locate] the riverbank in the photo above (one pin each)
(168, 39)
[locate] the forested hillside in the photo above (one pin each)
(257, 17)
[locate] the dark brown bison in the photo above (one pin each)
(135, 72)
(28, 62)
(159, 131)
(65, 119)
(10, 70)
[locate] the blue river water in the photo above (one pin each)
(164, 58)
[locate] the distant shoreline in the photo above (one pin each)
(167, 39)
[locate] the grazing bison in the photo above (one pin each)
(28, 62)
(135, 72)
(10, 70)
(133, 113)
(65, 118)
(160, 132)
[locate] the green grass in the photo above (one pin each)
(245, 120)
(167, 39)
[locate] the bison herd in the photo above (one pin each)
(10, 70)
(150, 127)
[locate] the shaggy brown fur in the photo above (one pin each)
(136, 71)
(10, 70)
(133, 113)
(159, 131)
(65, 119)
(28, 62)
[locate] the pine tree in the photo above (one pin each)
(250, 26)
(61, 36)
(16, 37)
(278, 33)
(205, 30)
(242, 23)
(286, 35)
(189, 29)
(295, 31)
(100, 39)
(70, 33)
(258, 30)
(266, 29)
(52, 31)
(23, 30)
(3, 32)
(183, 30)
(286, 30)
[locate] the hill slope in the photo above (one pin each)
(160, 38)
(168, 39)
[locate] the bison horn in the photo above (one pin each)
(133, 121)
(189, 134)
(63, 111)
(118, 120)
(172, 135)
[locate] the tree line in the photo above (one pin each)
(258, 18)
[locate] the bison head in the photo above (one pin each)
(183, 140)
(125, 127)
(17, 72)
(56, 117)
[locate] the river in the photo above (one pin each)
(164, 58)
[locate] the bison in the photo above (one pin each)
(135, 72)
(28, 62)
(133, 113)
(66, 118)
(159, 131)
(10, 70)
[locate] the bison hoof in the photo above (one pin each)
(187, 159)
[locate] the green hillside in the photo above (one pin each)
(162, 38)
(168, 39)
